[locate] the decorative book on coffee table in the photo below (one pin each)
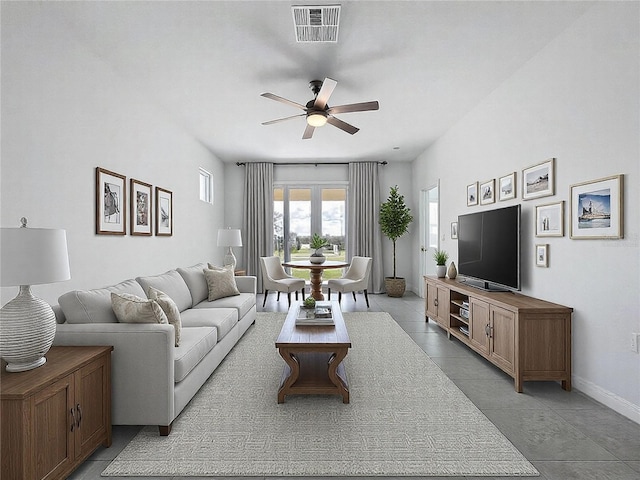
(321, 314)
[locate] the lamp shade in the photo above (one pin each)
(32, 256)
(229, 237)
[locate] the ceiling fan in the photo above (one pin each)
(318, 112)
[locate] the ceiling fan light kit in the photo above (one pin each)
(318, 111)
(317, 119)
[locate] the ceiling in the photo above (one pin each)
(206, 63)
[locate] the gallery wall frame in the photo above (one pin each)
(111, 195)
(472, 194)
(550, 220)
(507, 187)
(597, 208)
(487, 192)
(164, 212)
(542, 255)
(454, 230)
(141, 218)
(539, 180)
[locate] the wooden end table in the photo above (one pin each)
(313, 356)
(55, 416)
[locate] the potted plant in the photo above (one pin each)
(441, 257)
(395, 218)
(317, 244)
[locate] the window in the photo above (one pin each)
(206, 186)
(299, 211)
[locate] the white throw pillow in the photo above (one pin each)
(133, 309)
(221, 283)
(169, 308)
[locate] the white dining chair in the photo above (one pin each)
(275, 278)
(356, 278)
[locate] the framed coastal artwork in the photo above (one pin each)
(507, 187)
(597, 209)
(111, 194)
(140, 202)
(164, 212)
(550, 220)
(539, 180)
(487, 192)
(542, 255)
(472, 194)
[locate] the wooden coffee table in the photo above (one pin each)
(313, 356)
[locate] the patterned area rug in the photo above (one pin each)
(406, 418)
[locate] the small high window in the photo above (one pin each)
(206, 186)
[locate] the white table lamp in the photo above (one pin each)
(29, 256)
(229, 237)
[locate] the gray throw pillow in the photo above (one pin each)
(221, 283)
(169, 308)
(133, 309)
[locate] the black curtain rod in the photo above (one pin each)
(239, 164)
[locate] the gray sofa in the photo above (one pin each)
(152, 380)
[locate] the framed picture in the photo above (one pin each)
(140, 208)
(111, 194)
(164, 212)
(507, 187)
(597, 209)
(539, 180)
(472, 194)
(542, 255)
(550, 220)
(454, 230)
(487, 192)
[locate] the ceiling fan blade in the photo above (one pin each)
(271, 122)
(342, 125)
(354, 107)
(283, 100)
(325, 92)
(308, 132)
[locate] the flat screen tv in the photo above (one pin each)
(489, 248)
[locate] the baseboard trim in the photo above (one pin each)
(611, 400)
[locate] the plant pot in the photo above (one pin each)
(317, 259)
(395, 287)
(441, 271)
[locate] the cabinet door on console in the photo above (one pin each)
(479, 325)
(431, 301)
(502, 342)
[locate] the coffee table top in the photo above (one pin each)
(313, 335)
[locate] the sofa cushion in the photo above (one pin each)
(195, 344)
(134, 309)
(221, 283)
(224, 319)
(242, 303)
(194, 278)
(94, 306)
(172, 284)
(169, 308)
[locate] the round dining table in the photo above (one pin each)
(316, 273)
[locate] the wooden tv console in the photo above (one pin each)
(527, 338)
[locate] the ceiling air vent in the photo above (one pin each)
(316, 24)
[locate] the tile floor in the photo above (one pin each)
(565, 435)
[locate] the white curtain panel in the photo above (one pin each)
(364, 237)
(257, 221)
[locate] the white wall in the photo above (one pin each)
(64, 113)
(396, 174)
(576, 100)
